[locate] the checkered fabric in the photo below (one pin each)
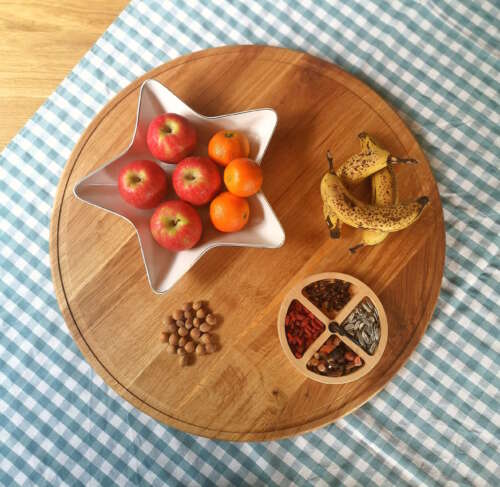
(436, 423)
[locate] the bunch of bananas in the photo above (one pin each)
(385, 214)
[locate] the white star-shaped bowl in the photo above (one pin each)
(100, 188)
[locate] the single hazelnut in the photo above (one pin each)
(205, 338)
(178, 314)
(171, 328)
(169, 320)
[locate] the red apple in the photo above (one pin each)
(171, 137)
(176, 225)
(196, 180)
(142, 184)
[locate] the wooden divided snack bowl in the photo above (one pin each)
(333, 334)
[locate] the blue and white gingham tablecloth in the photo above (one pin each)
(436, 423)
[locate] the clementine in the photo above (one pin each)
(227, 145)
(243, 177)
(228, 212)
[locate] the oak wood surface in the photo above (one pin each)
(248, 390)
(41, 42)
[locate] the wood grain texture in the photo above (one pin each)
(247, 390)
(41, 43)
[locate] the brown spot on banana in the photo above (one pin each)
(353, 212)
(349, 201)
(370, 160)
(361, 166)
(384, 192)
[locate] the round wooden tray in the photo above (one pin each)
(248, 390)
(359, 291)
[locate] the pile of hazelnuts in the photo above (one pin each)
(189, 331)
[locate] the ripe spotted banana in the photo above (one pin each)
(334, 224)
(370, 160)
(384, 193)
(342, 204)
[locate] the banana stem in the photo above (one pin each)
(329, 157)
(397, 160)
(356, 247)
(334, 229)
(335, 232)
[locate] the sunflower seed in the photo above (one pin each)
(363, 325)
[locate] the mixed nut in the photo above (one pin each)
(189, 330)
(363, 326)
(334, 359)
(328, 295)
(301, 328)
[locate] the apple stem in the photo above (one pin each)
(173, 223)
